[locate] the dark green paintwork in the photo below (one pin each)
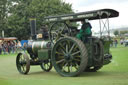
(43, 54)
(107, 46)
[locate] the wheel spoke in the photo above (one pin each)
(77, 56)
(65, 66)
(63, 63)
(71, 67)
(62, 47)
(75, 47)
(57, 37)
(61, 30)
(66, 48)
(52, 36)
(76, 60)
(22, 58)
(76, 66)
(53, 32)
(45, 66)
(68, 42)
(59, 53)
(60, 61)
(75, 53)
(60, 57)
(63, 51)
(68, 67)
(23, 68)
(48, 65)
(71, 48)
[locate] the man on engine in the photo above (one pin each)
(85, 31)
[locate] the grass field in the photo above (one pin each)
(115, 73)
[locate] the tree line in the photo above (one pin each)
(15, 15)
(119, 33)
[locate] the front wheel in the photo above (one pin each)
(69, 56)
(23, 63)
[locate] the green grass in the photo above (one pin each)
(115, 73)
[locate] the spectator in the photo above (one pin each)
(16, 47)
(4, 47)
(126, 42)
(8, 47)
(121, 41)
(0, 48)
(115, 43)
(12, 45)
(24, 46)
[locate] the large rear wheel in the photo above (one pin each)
(69, 56)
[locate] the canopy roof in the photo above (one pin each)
(8, 38)
(91, 15)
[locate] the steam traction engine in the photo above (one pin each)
(69, 55)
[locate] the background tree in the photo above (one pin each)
(116, 32)
(4, 9)
(22, 10)
(123, 32)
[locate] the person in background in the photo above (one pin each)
(9, 47)
(126, 42)
(16, 47)
(0, 48)
(12, 45)
(24, 46)
(121, 41)
(115, 43)
(4, 47)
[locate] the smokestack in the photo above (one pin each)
(33, 28)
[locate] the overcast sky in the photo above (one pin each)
(119, 5)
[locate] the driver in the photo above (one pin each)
(44, 32)
(85, 31)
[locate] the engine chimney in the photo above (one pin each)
(33, 28)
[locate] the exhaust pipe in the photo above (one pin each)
(33, 28)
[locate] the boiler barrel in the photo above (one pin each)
(38, 45)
